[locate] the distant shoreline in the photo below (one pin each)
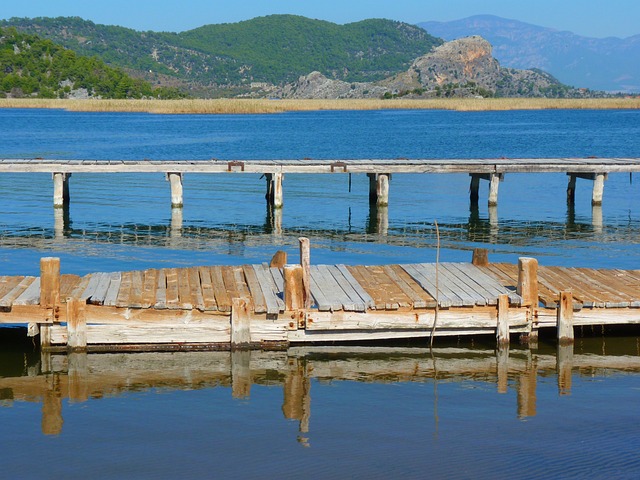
(257, 106)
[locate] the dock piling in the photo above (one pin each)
(60, 189)
(565, 318)
(305, 263)
(175, 181)
(502, 331)
(240, 324)
(76, 324)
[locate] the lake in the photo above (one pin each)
(460, 411)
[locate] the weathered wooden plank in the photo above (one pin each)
(364, 278)
(357, 288)
(135, 297)
(111, 296)
(559, 280)
(31, 295)
(331, 288)
(241, 286)
(100, 292)
(485, 285)
(356, 302)
(125, 290)
(223, 299)
(197, 297)
(445, 297)
(259, 303)
(612, 282)
(278, 278)
(275, 303)
(172, 299)
(68, 283)
(149, 286)
(612, 298)
(208, 295)
(185, 302)
(161, 291)
(464, 288)
(92, 286)
(10, 297)
(323, 303)
(419, 296)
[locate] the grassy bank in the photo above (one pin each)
(240, 106)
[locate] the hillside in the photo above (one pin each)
(228, 58)
(35, 67)
(460, 68)
(608, 64)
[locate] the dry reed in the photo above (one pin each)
(253, 106)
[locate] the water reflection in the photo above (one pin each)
(77, 377)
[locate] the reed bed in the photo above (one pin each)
(256, 106)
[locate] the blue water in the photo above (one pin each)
(384, 421)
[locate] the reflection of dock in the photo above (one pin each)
(262, 306)
(80, 376)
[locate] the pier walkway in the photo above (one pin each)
(259, 306)
(378, 170)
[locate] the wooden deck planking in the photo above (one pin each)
(560, 280)
(613, 298)
(161, 291)
(486, 286)
(427, 279)
(241, 287)
(149, 287)
(208, 294)
(172, 298)
(326, 280)
(124, 291)
(465, 287)
(272, 296)
(67, 284)
(100, 292)
(135, 296)
(357, 288)
(419, 297)
(31, 295)
(367, 279)
(323, 303)
(10, 296)
(259, 302)
(222, 296)
(110, 298)
(357, 303)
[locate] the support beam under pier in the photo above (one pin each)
(175, 180)
(60, 189)
(494, 182)
(598, 186)
(379, 188)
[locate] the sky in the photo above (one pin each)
(592, 18)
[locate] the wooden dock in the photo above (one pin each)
(379, 172)
(263, 306)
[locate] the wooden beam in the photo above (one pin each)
(240, 324)
(494, 184)
(60, 189)
(76, 324)
(382, 190)
(598, 188)
(293, 288)
(278, 195)
(502, 331)
(528, 281)
(50, 283)
(480, 257)
(565, 318)
(305, 263)
(175, 181)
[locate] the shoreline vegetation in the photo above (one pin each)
(258, 106)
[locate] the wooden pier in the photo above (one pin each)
(379, 172)
(263, 306)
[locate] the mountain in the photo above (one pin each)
(31, 66)
(459, 68)
(609, 64)
(234, 58)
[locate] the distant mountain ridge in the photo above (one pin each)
(231, 58)
(609, 64)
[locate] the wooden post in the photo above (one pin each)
(279, 260)
(277, 190)
(565, 318)
(598, 188)
(293, 289)
(240, 324)
(480, 257)
(60, 189)
(571, 189)
(305, 263)
(474, 188)
(50, 284)
(175, 180)
(528, 281)
(502, 331)
(494, 183)
(76, 324)
(382, 190)
(373, 187)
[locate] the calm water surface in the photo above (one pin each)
(376, 413)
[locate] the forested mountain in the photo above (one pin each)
(275, 49)
(31, 66)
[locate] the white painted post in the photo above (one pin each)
(494, 183)
(175, 180)
(60, 189)
(382, 190)
(277, 190)
(598, 188)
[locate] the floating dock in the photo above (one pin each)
(266, 307)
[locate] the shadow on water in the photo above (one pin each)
(26, 375)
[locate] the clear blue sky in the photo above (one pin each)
(595, 18)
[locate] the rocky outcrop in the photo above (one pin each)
(461, 68)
